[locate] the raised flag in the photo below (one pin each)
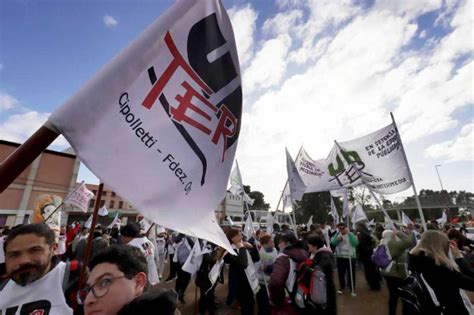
(375, 160)
(168, 109)
(248, 200)
(88, 223)
(334, 213)
(144, 225)
(358, 214)
(103, 211)
(406, 220)
(345, 205)
(310, 222)
(231, 222)
(236, 186)
(194, 260)
(287, 202)
(295, 183)
(444, 218)
(79, 197)
(249, 230)
(269, 222)
(115, 222)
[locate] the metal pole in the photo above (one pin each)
(380, 205)
(25, 154)
(439, 177)
(350, 255)
(420, 210)
(90, 239)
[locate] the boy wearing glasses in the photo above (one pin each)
(40, 282)
(117, 282)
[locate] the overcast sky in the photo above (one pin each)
(312, 71)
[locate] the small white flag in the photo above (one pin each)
(334, 213)
(388, 223)
(249, 231)
(194, 260)
(230, 221)
(297, 187)
(144, 225)
(236, 186)
(79, 197)
(444, 219)
(248, 200)
(103, 211)
(345, 205)
(88, 223)
(270, 222)
(358, 214)
(372, 222)
(406, 220)
(310, 222)
(215, 272)
(287, 202)
(115, 222)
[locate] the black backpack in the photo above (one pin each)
(415, 293)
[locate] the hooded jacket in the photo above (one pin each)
(444, 282)
(281, 270)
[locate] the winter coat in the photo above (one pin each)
(324, 258)
(281, 270)
(347, 247)
(444, 282)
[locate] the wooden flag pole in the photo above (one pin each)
(90, 239)
(25, 154)
(420, 210)
(149, 229)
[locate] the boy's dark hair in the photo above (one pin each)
(316, 241)
(41, 230)
(341, 224)
(289, 238)
(128, 259)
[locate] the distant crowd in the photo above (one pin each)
(283, 272)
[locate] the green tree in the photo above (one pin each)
(317, 205)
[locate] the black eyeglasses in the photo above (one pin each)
(99, 289)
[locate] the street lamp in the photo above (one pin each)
(440, 182)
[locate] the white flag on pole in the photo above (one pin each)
(249, 230)
(287, 202)
(388, 223)
(297, 187)
(444, 218)
(115, 222)
(248, 200)
(236, 186)
(270, 221)
(144, 225)
(88, 223)
(371, 222)
(310, 222)
(169, 108)
(79, 197)
(231, 222)
(377, 157)
(194, 260)
(406, 220)
(358, 214)
(103, 211)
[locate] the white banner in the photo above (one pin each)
(377, 158)
(79, 197)
(194, 260)
(159, 123)
(296, 184)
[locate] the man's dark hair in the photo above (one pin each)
(289, 238)
(341, 224)
(128, 259)
(40, 230)
(316, 241)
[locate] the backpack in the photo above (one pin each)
(309, 288)
(418, 296)
(381, 256)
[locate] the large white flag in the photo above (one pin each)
(297, 187)
(79, 197)
(358, 214)
(194, 260)
(159, 123)
(376, 160)
(334, 213)
(103, 211)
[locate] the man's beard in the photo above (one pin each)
(28, 273)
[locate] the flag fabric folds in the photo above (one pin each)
(406, 220)
(358, 214)
(334, 213)
(249, 230)
(115, 222)
(295, 183)
(88, 223)
(167, 113)
(236, 186)
(79, 197)
(194, 260)
(444, 218)
(375, 160)
(270, 221)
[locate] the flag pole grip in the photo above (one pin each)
(25, 154)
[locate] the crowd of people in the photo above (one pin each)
(283, 272)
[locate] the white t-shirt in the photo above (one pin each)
(43, 296)
(2, 253)
(147, 248)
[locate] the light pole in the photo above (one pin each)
(439, 178)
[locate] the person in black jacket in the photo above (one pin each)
(206, 287)
(237, 265)
(324, 258)
(430, 258)
(365, 250)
